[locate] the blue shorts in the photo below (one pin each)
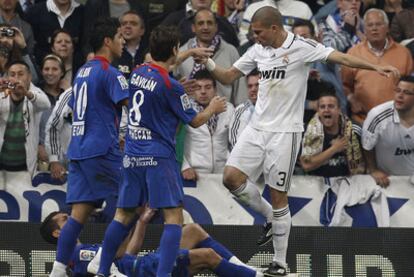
(93, 180)
(147, 265)
(152, 180)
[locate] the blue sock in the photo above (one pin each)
(216, 246)
(114, 236)
(67, 240)
(226, 269)
(169, 246)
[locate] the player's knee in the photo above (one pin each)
(212, 258)
(196, 231)
(232, 179)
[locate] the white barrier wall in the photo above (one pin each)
(311, 201)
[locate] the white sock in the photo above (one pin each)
(250, 195)
(281, 224)
(236, 261)
(58, 270)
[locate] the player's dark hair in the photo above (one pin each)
(408, 78)
(163, 39)
(21, 62)
(268, 16)
(202, 10)
(204, 75)
(306, 23)
(47, 227)
(104, 27)
(327, 89)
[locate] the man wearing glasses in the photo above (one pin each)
(388, 135)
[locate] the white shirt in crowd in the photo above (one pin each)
(393, 143)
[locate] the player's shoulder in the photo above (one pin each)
(301, 42)
(387, 107)
(379, 116)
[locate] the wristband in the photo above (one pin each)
(210, 64)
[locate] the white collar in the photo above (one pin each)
(51, 7)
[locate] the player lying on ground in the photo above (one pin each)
(198, 251)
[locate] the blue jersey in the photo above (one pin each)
(157, 103)
(97, 89)
(130, 265)
(81, 257)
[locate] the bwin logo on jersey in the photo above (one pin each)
(275, 73)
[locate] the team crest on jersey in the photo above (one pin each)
(285, 59)
(123, 82)
(86, 255)
(185, 101)
(126, 161)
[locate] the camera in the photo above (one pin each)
(7, 32)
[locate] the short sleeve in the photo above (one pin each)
(180, 103)
(369, 134)
(118, 86)
(314, 51)
(246, 63)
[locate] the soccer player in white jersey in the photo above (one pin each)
(388, 135)
(271, 141)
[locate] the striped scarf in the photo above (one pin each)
(313, 143)
(212, 122)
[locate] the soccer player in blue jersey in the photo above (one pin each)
(198, 251)
(150, 170)
(99, 90)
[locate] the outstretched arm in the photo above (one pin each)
(352, 61)
(226, 76)
(137, 239)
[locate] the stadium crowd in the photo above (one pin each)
(356, 120)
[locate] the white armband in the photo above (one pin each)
(210, 64)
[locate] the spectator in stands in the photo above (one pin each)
(331, 144)
(13, 47)
(205, 29)
(291, 10)
(343, 29)
(53, 71)
(388, 135)
(206, 148)
(133, 29)
(10, 16)
(365, 90)
(51, 15)
(233, 11)
(244, 111)
(62, 46)
(184, 20)
(402, 23)
(25, 5)
(95, 9)
(21, 106)
(390, 7)
(156, 11)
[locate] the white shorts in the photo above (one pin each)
(270, 153)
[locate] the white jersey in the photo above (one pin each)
(291, 11)
(393, 143)
(283, 81)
